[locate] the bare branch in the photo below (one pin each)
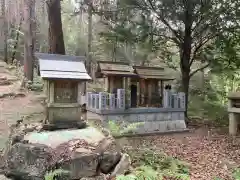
(203, 42)
(175, 40)
(164, 21)
(199, 69)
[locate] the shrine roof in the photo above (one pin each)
(62, 66)
(159, 73)
(108, 68)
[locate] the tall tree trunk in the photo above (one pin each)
(89, 45)
(185, 87)
(29, 18)
(185, 66)
(43, 29)
(16, 41)
(5, 30)
(55, 36)
(185, 53)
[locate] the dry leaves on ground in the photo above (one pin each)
(209, 157)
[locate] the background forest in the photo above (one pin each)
(146, 34)
(197, 41)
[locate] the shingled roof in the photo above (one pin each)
(62, 66)
(152, 73)
(108, 68)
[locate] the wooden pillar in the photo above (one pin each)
(126, 86)
(138, 93)
(143, 91)
(149, 87)
(111, 84)
(106, 84)
(45, 87)
(161, 84)
(79, 93)
(123, 83)
(51, 92)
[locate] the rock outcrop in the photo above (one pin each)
(83, 153)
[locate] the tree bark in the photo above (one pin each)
(88, 63)
(185, 88)
(5, 30)
(89, 46)
(185, 66)
(185, 52)
(29, 18)
(55, 32)
(43, 28)
(16, 41)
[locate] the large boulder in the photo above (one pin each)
(81, 152)
(109, 161)
(27, 161)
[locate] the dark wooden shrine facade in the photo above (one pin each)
(116, 75)
(144, 85)
(151, 85)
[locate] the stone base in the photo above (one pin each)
(148, 122)
(155, 127)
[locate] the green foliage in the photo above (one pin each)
(123, 128)
(127, 177)
(142, 173)
(236, 174)
(56, 173)
(227, 48)
(151, 164)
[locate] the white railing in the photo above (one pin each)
(104, 100)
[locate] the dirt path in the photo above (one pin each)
(13, 108)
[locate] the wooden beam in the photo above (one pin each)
(161, 84)
(138, 93)
(111, 83)
(149, 90)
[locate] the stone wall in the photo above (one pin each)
(152, 120)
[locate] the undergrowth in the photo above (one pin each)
(236, 174)
(123, 128)
(55, 174)
(152, 165)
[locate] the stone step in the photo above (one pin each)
(5, 82)
(12, 94)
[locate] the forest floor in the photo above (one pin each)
(210, 154)
(15, 104)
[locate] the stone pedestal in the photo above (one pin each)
(233, 124)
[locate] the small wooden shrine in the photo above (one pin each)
(144, 85)
(116, 74)
(150, 85)
(136, 94)
(63, 79)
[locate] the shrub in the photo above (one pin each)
(123, 128)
